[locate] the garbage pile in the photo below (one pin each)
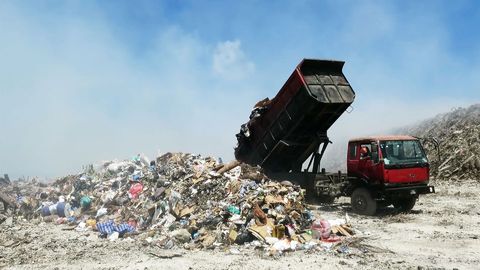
(458, 134)
(188, 201)
(19, 198)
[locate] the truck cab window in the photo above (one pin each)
(352, 151)
(365, 151)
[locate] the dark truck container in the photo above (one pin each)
(281, 135)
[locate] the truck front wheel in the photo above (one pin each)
(405, 204)
(363, 203)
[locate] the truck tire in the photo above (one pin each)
(363, 203)
(405, 204)
(383, 203)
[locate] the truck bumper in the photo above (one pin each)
(411, 190)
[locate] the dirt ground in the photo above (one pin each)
(442, 232)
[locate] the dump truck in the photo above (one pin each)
(291, 128)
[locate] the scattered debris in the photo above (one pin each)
(356, 245)
(166, 256)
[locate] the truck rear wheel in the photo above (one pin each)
(363, 203)
(405, 204)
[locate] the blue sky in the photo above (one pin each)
(83, 81)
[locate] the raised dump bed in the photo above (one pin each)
(286, 130)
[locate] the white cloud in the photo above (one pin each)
(230, 62)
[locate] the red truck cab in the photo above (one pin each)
(387, 170)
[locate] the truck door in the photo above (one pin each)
(352, 159)
(376, 172)
(365, 161)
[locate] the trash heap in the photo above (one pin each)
(458, 134)
(18, 198)
(189, 201)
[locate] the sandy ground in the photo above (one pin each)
(442, 232)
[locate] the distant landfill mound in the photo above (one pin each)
(458, 135)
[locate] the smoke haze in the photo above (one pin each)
(85, 81)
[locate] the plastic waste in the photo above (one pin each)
(271, 240)
(284, 245)
(235, 251)
(108, 196)
(81, 227)
(321, 229)
(233, 209)
(61, 209)
(280, 209)
(109, 227)
(135, 190)
(113, 236)
(91, 223)
(85, 202)
(102, 211)
(61, 220)
(244, 237)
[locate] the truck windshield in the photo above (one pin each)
(402, 152)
